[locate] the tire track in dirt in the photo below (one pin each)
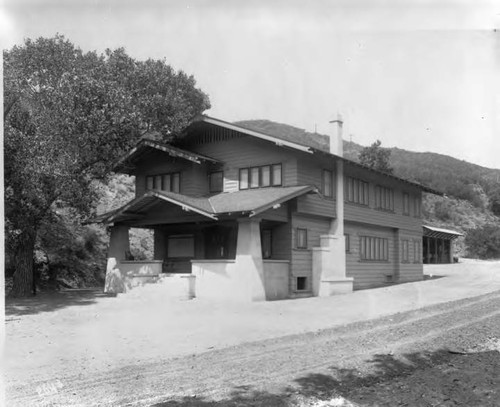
(270, 361)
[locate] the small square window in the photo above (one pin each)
(301, 238)
(301, 283)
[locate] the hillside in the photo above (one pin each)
(472, 192)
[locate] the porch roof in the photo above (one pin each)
(244, 202)
(431, 231)
(144, 148)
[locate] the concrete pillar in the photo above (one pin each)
(329, 260)
(248, 259)
(118, 247)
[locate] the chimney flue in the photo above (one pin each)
(336, 140)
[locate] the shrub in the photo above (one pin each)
(484, 242)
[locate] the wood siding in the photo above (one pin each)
(247, 152)
(301, 264)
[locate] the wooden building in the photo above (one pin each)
(244, 215)
(438, 245)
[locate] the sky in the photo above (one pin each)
(420, 75)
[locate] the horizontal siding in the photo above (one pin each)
(301, 264)
(249, 152)
(313, 204)
(368, 273)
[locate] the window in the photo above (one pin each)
(356, 191)
(164, 182)
(301, 283)
(327, 183)
(347, 243)
(417, 251)
(406, 203)
(301, 238)
(416, 207)
(374, 248)
(244, 178)
(267, 238)
(216, 181)
(265, 176)
(405, 251)
(384, 198)
(260, 177)
(180, 246)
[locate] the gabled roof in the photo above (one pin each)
(297, 146)
(431, 231)
(144, 147)
(246, 202)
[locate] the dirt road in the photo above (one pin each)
(443, 354)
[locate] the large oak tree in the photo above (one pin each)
(68, 115)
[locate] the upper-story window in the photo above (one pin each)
(406, 203)
(384, 198)
(417, 206)
(327, 183)
(356, 191)
(260, 177)
(216, 181)
(165, 182)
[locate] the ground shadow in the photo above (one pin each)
(52, 301)
(417, 379)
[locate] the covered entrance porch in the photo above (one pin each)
(437, 245)
(231, 255)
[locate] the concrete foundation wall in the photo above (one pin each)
(276, 276)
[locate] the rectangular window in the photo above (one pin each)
(267, 239)
(416, 207)
(150, 182)
(417, 251)
(301, 283)
(277, 175)
(384, 198)
(405, 254)
(216, 181)
(356, 191)
(265, 176)
(374, 248)
(327, 183)
(180, 246)
(164, 182)
(244, 178)
(254, 177)
(260, 177)
(347, 243)
(406, 203)
(301, 238)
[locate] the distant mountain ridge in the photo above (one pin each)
(438, 171)
(472, 192)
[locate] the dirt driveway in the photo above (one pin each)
(82, 348)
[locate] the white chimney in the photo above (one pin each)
(336, 140)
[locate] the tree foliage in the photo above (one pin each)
(376, 157)
(484, 242)
(68, 115)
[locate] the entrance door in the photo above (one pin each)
(216, 242)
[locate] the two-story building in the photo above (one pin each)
(248, 216)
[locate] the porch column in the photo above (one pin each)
(248, 259)
(329, 260)
(118, 247)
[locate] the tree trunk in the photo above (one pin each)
(23, 261)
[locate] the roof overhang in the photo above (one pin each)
(439, 233)
(307, 149)
(144, 147)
